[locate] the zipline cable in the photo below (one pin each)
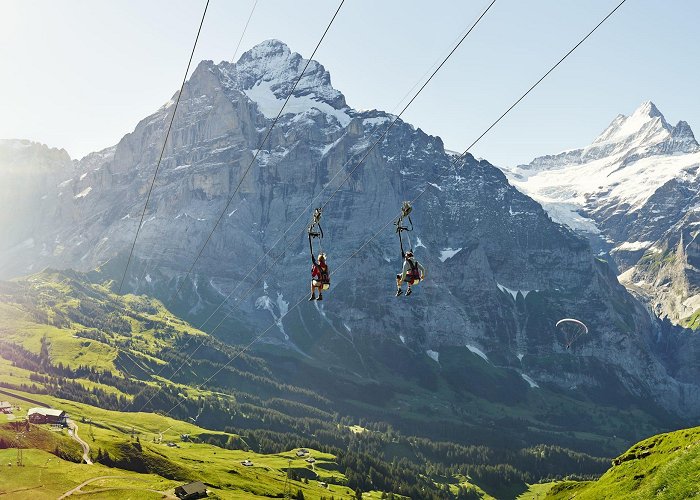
(162, 151)
(233, 59)
(409, 103)
(426, 73)
(307, 207)
(302, 299)
(252, 162)
(374, 145)
(543, 77)
(245, 28)
(257, 152)
(313, 200)
(390, 221)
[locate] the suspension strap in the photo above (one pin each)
(315, 231)
(400, 227)
(311, 249)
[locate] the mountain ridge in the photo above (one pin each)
(632, 191)
(479, 237)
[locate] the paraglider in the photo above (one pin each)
(412, 271)
(320, 276)
(569, 330)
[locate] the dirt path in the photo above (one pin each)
(77, 489)
(85, 483)
(73, 430)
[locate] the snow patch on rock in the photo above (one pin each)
(434, 355)
(633, 246)
(448, 253)
(376, 120)
(265, 302)
(530, 381)
(478, 352)
(513, 293)
(269, 105)
(83, 193)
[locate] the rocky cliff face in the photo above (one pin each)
(500, 272)
(33, 194)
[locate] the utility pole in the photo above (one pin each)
(20, 452)
(287, 486)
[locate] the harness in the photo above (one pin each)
(413, 275)
(318, 273)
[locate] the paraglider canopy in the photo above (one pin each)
(570, 329)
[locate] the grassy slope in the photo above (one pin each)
(56, 300)
(220, 468)
(41, 438)
(498, 397)
(663, 466)
(46, 476)
(414, 387)
(54, 294)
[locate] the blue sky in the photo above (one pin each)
(80, 74)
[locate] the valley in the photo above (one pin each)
(223, 372)
(49, 355)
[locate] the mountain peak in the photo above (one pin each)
(683, 130)
(270, 71)
(646, 123)
(271, 48)
(648, 109)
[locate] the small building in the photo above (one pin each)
(191, 490)
(301, 452)
(47, 416)
(311, 460)
(247, 463)
(5, 407)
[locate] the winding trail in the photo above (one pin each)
(77, 489)
(85, 483)
(73, 430)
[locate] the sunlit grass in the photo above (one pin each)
(664, 466)
(117, 433)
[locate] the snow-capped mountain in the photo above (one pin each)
(636, 188)
(267, 73)
(501, 273)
